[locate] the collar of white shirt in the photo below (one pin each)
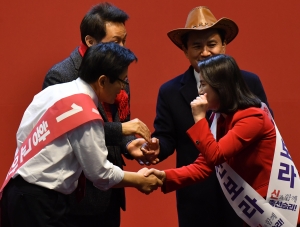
(89, 89)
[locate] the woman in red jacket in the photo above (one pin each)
(245, 135)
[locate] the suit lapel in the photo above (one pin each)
(189, 88)
(115, 113)
(102, 112)
(114, 110)
(189, 85)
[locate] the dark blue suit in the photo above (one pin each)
(202, 204)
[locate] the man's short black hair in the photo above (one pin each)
(109, 59)
(94, 21)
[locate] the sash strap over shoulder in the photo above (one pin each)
(281, 206)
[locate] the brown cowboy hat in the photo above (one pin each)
(201, 18)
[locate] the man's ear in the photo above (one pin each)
(223, 47)
(90, 41)
(101, 81)
(184, 50)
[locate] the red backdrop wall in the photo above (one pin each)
(37, 34)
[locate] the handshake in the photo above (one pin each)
(145, 180)
(148, 180)
(145, 151)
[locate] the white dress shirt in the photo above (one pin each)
(58, 165)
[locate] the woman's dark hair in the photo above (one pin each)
(222, 73)
(109, 59)
(93, 23)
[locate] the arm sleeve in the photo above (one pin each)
(164, 127)
(245, 131)
(114, 137)
(89, 147)
(113, 133)
(186, 175)
(214, 153)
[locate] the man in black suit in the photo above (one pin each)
(202, 204)
(103, 23)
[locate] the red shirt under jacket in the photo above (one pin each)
(247, 146)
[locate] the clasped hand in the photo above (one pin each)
(151, 180)
(143, 151)
(146, 149)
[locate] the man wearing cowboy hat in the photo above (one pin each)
(202, 204)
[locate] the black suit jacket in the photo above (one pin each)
(95, 200)
(202, 204)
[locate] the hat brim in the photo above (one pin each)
(229, 26)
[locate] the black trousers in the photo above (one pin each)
(108, 218)
(27, 205)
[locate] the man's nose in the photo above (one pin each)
(205, 52)
(199, 90)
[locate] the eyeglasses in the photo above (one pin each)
(125, 82)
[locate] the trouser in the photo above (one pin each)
(108, 218)
(24, 204)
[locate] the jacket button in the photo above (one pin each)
(197, 142)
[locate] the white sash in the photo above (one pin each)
(64, 115)
(281, 206)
